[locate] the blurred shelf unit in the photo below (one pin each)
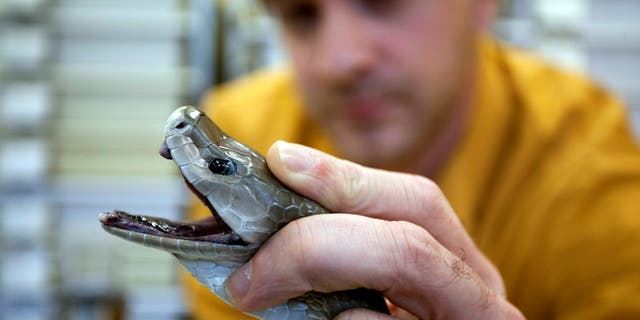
(85, 89)
(25, 105)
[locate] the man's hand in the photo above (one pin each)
(399, 235)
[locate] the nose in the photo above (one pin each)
(346, 51)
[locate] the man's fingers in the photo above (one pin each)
(295, 260)
(337, 252)
(343, 186)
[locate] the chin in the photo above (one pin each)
(378, 151)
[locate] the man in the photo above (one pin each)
(507, 162)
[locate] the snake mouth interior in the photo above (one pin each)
(209, 229)
(204, 230)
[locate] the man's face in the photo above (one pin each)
(380, 75)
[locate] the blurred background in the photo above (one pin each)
(85, 89)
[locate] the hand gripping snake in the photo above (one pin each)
(248, 204)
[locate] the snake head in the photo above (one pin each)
(230, 178)
(247, 203)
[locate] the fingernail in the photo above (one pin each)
(296, 158)
(238, 283)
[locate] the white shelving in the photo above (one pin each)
(86, 87)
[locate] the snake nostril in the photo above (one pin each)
(181, 125)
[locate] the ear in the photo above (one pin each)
(486, 12)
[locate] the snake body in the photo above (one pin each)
(248, 205)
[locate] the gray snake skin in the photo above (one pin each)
(248, 205)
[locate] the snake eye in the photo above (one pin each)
(222, 166)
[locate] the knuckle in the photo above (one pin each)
(414, 248)
(427, 192)
(338, 181)
(344, 186)
(429, 198)
(426, 184)
(354, 185)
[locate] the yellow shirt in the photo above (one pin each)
(546, 180)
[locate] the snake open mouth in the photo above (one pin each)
(204, 230)
(208, 229)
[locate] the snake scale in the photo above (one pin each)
(248, 204)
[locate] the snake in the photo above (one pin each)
(248, 205)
